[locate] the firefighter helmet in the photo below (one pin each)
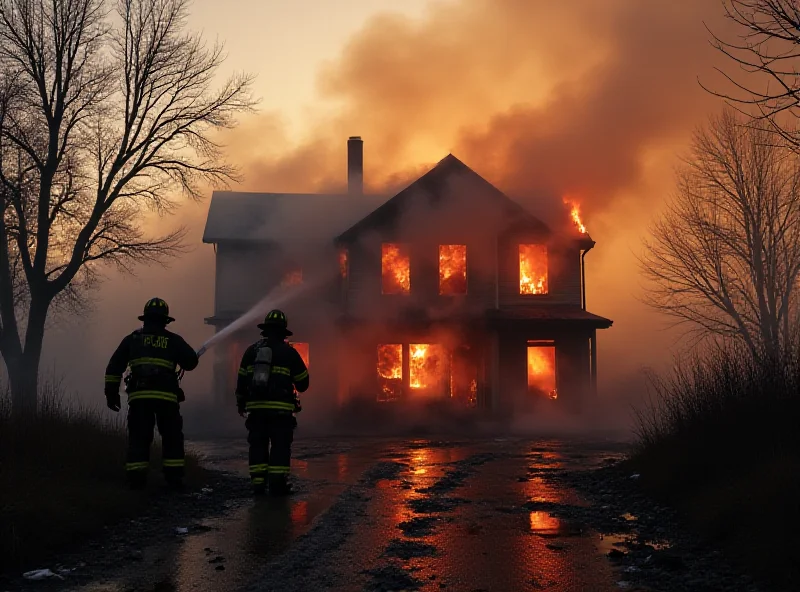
(275, 319)
(156, 309)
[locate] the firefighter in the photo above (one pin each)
(270, 374)
(154, 394)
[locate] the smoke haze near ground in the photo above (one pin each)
(591, 100)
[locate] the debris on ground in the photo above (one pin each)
(41, 574)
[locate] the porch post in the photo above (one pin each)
(593, 348)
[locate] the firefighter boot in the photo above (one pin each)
(279, 485)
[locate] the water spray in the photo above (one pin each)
(275, 298)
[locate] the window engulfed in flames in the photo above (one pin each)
(532, 269)
(542, 369)
(426, 366)
(452, 269)
(302, 349)
(395, 269)
(390, 371)
(293, 278)
(343, 263)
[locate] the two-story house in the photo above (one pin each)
(448, 290)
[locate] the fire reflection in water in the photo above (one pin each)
(544, 523)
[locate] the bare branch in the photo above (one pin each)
(99, 123)
(725, 256)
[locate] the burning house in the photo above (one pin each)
(448, 290)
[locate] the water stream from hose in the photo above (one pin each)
(275, 298)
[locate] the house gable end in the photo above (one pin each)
(449, 186)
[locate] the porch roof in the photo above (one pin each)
(543, 313)
(551, 313)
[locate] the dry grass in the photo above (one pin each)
(720, 441)
(62, 477)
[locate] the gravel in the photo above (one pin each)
(649, 547)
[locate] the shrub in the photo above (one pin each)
(62, 476)
(719, 440)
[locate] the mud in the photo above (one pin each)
(383, 514)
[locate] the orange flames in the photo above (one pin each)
(532, 269)
(395, 269)
(575, 214)
(425, 365)
(302, 349)
(542, 369)
(452, 269)
(293, 278)
(390, 370)
(343, 263)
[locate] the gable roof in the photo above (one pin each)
(434, 185)
(283, 217)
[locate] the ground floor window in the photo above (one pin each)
(302, 349)
(542, 368)
(390, 371)
(425, 369)
(432, 371)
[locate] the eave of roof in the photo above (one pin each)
(246, 217)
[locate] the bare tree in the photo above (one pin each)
(725, 256)
(766, 52)
(98, 124)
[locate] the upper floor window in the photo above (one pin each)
(395, 269)
(452, 269)
(292, 278)
(532, 269)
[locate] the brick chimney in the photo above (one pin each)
(355, 165)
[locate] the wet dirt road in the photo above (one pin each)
(379, 515)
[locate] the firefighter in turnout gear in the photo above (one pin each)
(154, 394)
(270, 375)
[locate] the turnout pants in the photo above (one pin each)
(270, 435)
(143, 416)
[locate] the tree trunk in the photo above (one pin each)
(23, 370)
(23, 376)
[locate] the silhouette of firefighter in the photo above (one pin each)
(154, 394)
(270, 375)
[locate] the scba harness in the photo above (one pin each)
(265, 391)
(153, 374)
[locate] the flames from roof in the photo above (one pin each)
(575, 214)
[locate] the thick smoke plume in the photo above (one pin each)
(586, 100)
(565, 101)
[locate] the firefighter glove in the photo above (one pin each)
(240, 405)
(113, 401)
(181, 396)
